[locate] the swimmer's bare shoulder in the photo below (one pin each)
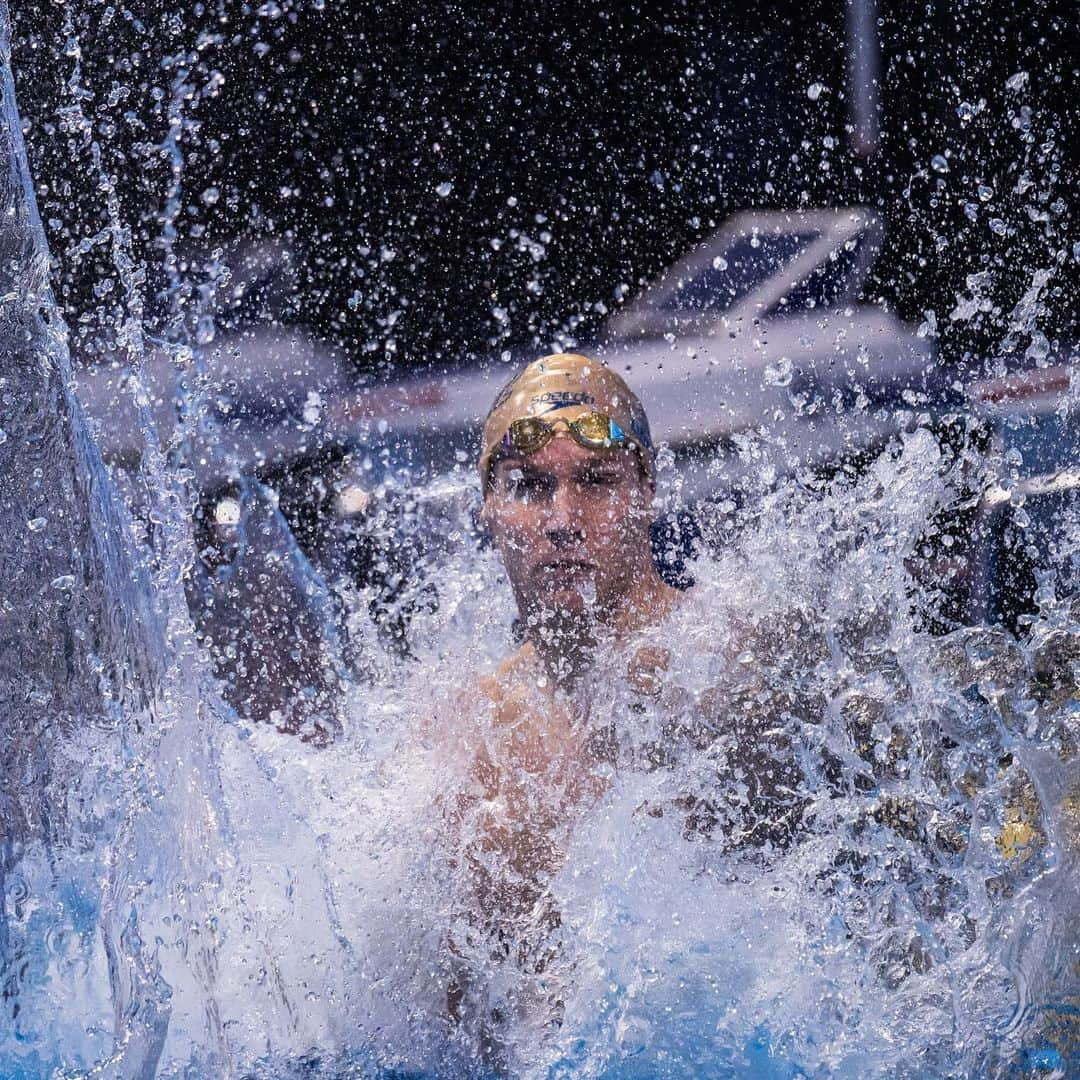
(480, 696)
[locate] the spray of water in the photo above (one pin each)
(787, 831)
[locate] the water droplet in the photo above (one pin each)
(312, 407)
(37, 524)
(67, 581)
(939, 163)
(986, 192)
(1017, 81)
(814, 91)
(227, 512)
(966, 111)
(998, 227)
(444, 189)
(719, 263)
(3, 436)
(779, 374)
(1039, 349)
(587, 591)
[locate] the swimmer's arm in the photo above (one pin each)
(756, 793)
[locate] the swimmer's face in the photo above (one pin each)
(572, 527)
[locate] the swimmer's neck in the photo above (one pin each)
(566, 646)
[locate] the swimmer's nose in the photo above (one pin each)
(562, 525)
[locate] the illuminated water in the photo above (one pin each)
(191, 893)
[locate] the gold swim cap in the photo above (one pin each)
(565, 386)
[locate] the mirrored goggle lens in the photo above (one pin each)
(593, 430)
(528, 434)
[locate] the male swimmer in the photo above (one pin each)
(568, 475)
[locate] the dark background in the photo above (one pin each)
(586, 145)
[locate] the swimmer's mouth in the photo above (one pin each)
(568, 569)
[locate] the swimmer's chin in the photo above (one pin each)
(562, 589)
(552, 607)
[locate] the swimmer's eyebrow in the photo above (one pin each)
(523, 469)
(599, 471)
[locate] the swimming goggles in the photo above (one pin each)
(594, 430)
